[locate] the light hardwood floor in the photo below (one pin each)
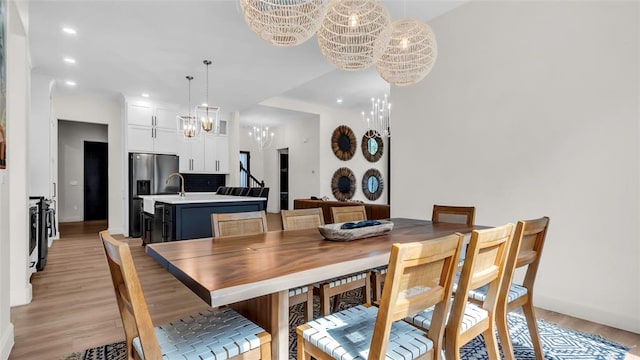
(74, 307)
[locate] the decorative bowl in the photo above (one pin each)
(333, 232)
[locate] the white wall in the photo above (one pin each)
(40, 181)
(531, 110)
(14, 283)
(18, 91)
(329, 119)
(71, 138)
(99, 109)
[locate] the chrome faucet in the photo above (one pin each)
(182, 194)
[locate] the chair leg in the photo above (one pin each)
(265, 346)
(336, 302)
(308, 307)
(367, 289)
(491, 342)
(376, 279)
(503, 332)
(452, 345)
(532, 324)
(324, 301)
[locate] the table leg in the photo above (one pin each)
(271, 312)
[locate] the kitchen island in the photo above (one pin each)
(172, 217)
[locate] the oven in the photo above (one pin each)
(42, 225)
(34, 233)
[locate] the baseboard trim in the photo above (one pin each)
(28, 296)
(619, 321)
(115, 231)
(6, 342)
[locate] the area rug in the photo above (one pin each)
(558, 343)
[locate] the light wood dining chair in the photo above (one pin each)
(337, 286)
(302, 218)
(348, 213)
(420, 276)
(242, 223)
(483, 266)
(296, 220)
(453, 214)
(201, 335)
(525, 251)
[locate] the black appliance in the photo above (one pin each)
(41, 226)
(162, 223)
(147, 176)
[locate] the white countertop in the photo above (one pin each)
(191, 198)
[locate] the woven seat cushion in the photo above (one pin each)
(473, 314)
(344, 279)
(480, 293)
(347, 335)
(298, 291)
(380, 270)
(213, 334)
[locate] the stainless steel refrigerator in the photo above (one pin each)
(147, 176)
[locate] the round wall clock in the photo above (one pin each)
(343, 184)
(372, 184)
(343, 142)
(372, 146)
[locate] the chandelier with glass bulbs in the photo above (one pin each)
(208, 116)
(188, 125)
(261, 136)
(378, 119)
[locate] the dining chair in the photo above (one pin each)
(483, 266)
(525, 251)
(348, 213)
(242, 223)
(420, 276)
(453, 214)
(441, 213)
(302, 218)
(337, 286)
(296, 220)
(202, 335)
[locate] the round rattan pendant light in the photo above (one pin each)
(411, 53)
(354, 33)
(283, 22)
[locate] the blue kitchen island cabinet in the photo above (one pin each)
(176, 218)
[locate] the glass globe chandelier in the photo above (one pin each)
(410, 55)
(261, 136)
(283, 22)
(378, 119)
(188, 126)
(354, 33)
(208, 116)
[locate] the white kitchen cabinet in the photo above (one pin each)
(205, 154)
(151, 129)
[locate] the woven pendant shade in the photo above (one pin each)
(411, 53)
(354, 33)
(283, 22)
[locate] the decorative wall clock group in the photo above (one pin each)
(343, 182)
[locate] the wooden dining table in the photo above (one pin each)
(253, 273)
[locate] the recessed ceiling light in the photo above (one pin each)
(339, 100)
(70, 83)
(70, 31)
(69, 60)
(145, 95)
(204, 104)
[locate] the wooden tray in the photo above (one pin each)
(334, 233)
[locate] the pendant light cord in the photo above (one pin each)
(189, 78)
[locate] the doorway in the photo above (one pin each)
(283, 155)
(245, 168)
(96, 184)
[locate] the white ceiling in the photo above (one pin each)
(131, 47)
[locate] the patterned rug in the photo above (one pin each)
(558, 343)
